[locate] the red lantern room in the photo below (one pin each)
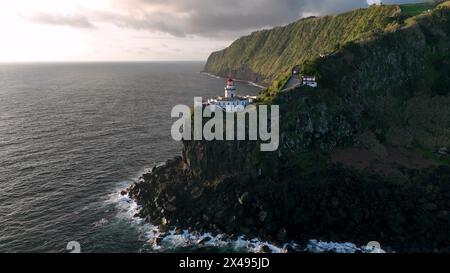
(230, 89)
(230, 82)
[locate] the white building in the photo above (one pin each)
(231, 102)
(309, 81)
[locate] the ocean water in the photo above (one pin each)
(72, 135)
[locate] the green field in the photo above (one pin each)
(416, 9)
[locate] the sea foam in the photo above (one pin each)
(177, 239)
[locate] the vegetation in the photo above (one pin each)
(418, 8)
(268, 54)
(428, 153)
(378, 87)
(444, 4)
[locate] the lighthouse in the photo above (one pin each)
(230, 89)
(231, 102)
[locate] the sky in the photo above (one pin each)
(143, 30)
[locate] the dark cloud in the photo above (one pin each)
(76, 21)
(223, 18)
(220, 19)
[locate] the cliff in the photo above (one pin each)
(265, 55)
(363, 157)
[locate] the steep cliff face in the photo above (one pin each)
(207, 159)
(389, 90)
(265, 55)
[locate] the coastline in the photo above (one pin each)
(292, 207)
(173, 238)
(237, 80)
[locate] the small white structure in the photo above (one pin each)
(231, 102)
(309, 81)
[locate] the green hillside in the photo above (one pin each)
(416, 9)
(265, 55)
(393, 90)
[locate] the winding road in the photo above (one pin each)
(293, 82)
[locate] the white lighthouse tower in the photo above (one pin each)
(231, 102)
(230, 89)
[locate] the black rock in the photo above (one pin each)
(204, 240)
(430, 206)
(178, 231)
(243, 198)
(158, 240)
(265, 249)
(282, 235)
(289, 249)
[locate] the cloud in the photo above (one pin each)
(75, 21)
(373, 2)
(218, 19)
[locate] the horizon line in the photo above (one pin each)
(97, 61)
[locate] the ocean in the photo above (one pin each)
(73, 134)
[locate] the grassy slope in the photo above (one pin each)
(416, 9)
(445, 4)
(271, 53)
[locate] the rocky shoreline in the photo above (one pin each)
(337, 205)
